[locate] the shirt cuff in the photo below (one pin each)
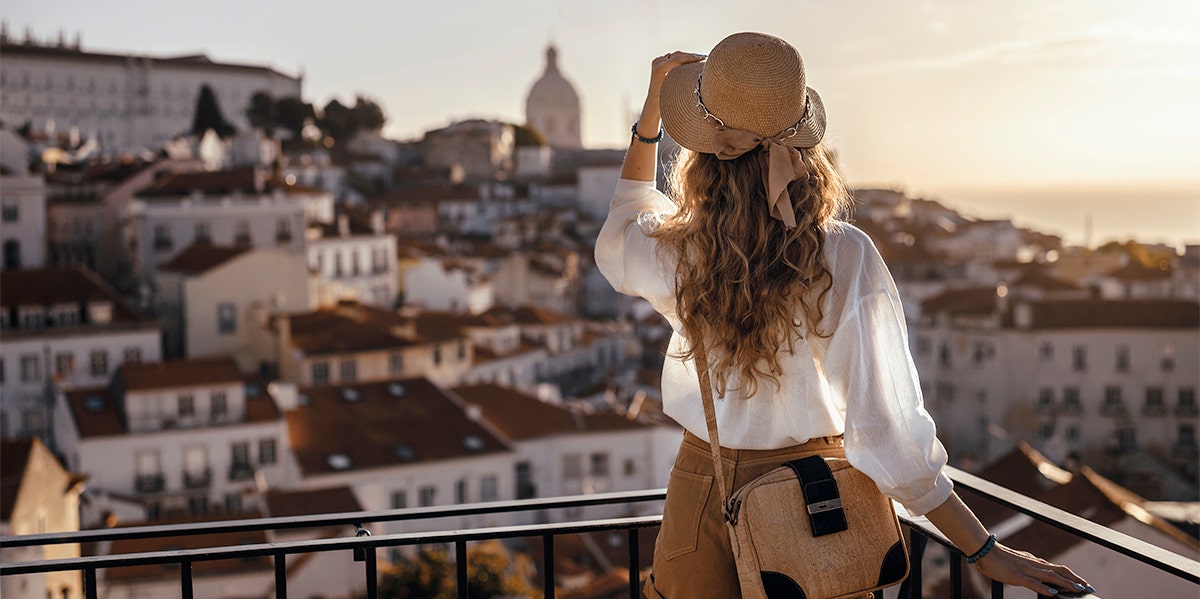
(942, 487)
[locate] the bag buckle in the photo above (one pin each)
(825, 506)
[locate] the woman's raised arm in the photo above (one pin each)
(641, 157)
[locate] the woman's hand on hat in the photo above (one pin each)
(663, 64)
(1007, 565)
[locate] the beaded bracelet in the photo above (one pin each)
(991, 542)
(647, 140)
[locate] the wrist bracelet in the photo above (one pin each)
(987, 546)
(646, 140)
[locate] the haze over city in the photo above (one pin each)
(1045, 112)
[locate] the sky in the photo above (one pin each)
(1042, 110)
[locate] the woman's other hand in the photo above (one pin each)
(662, 65)
(1021, 568)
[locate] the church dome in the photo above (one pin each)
(552, 106)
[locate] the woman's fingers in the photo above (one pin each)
(1021, 568)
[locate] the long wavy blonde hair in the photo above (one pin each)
(746, 287)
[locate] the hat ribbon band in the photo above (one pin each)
(783, 165)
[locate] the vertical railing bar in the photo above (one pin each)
(956, 573)
(460, 567)
(281, 576)
(372, 578)
(997, 590)
(635, 572)
(185, 579)
(548, 566)
(89, 583)
(916, 553)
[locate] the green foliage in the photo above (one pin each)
(208, 115)
(288, 113)
(342, 122)
(432, 575)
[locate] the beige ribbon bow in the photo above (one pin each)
(783, 165)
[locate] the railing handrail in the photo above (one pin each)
(327, 520)
(315, 545)
(1158, 557)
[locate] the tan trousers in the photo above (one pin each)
(692, 557)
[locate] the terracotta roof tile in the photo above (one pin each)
(528, 315)
(48, 286)
(200, 569)
(1045, 282)
(200, 258)
(178, 373)
(95, 413)
(376, 425)
(975, 300)
(1153, 313)
(521, 416)
(330, 500)
(350, 327)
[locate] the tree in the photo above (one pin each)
(524, 135)
(368, 115)
(431, 575)
(208, 115)
(337, 121)
(292, 114)
(262, 111)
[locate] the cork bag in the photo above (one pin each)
(813, 528)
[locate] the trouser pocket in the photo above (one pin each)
(687, 494)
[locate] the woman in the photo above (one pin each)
(801, 322)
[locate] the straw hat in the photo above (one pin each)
(752, 82)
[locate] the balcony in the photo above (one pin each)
(362, 545)
(239, 471)
(149, 483)
(197, 480)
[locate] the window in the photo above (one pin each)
(1122, 364)
(203, 234)
(437, 355)
(944, 354)
(945, 392)
(1073, 432)
(64, 365)
(1045, 402)
(354, 263)
(226, 318)
(162, 238)
(31, 369)
(133, 355)
(525, 486)
(197, 505)
(599, 464)
(572, 466)
(2, 375)
(266, 451)
(1046, 351)
(460, 491)
(396, 363)
(924, 345)
(1168, 358)
(320, 373)
(187, 406)
(241, 235)
(1046, 430)
(462, 351)
(147, 462)
(1154, 405)
(1187, 402)
(99, 362)
(1113, 405)
(1079, 358)
(1126, 438)
(1071, 404)
(630, 467)
(348, 370)
(240, 452)
(489, 488)
(426, 496)
(980, 352)
(233, 503)
(10, 211)
(337, 264)
(1187, 435)
(399, 500)
(220, 406)
(283, 230)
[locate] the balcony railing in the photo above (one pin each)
(149, 483)
(198, 479)
(363, 545)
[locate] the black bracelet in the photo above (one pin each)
(991, 542)
(647, 140)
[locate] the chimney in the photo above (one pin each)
(343, 225)
(377, 222)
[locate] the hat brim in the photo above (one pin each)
(684, 120)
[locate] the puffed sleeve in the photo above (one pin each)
(889, 434)
(625, 255)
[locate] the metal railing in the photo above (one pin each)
(364, 545)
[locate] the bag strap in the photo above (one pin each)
(710, 418)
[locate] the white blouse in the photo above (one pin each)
(860, 381)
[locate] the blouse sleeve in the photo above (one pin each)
(625, 255)
(889, 435)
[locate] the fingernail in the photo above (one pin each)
(1053, 591)
(1079, 587)
(1089, 588)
